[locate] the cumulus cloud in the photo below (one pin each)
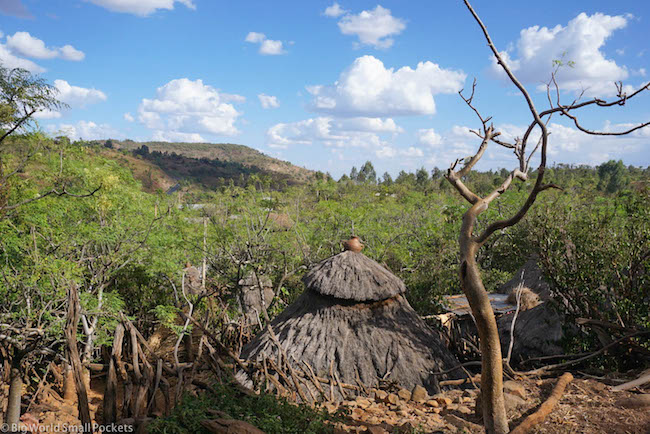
(176, 136)
(368, 88)
(186, 108)
(268, 101)
(86, 130)
(128, 117)
(373, 27)
(334, 11)
(580, 43)
(22, 43)
(429, 137)
(73, 96)
(10, 60)
(327, 131)
(268, 47)
(141, 8)
(373, 125)
(76, 96)
(392, 152)
(566, 144)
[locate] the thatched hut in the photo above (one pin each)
(353, 318)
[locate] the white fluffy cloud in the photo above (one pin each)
(86, 130)
(566, 143)
(371, 125)
(373, 27)
(334, 11)
(22, 43)
(392, 152)
(268, 101)
(327, 131)
(76, 96)
(73, 96)
(141, 7)
(128, 117)
(268, 47)
(429, 137)
(186, 108)
(10, 60)
(175, 136)
(368, 88)
(579, 42)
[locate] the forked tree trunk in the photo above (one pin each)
(15, 392)
(495, 418)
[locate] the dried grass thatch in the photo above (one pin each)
(531, 276)
(354, 322)
(353, 276)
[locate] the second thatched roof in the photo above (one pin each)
(353, 276)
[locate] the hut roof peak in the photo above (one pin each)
(352, 275)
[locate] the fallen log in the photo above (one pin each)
(546, 408)
(643, 379)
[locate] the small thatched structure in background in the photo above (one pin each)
(353, 320)
(531, 276)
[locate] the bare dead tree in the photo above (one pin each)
(494, 413)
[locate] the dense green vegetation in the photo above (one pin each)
(130, 245)
(124, 248)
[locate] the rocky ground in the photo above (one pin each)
(587, 406)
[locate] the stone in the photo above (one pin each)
(376, 430)
(419, 394)
(363, 402)
(357, 413)
(515, 388)
(404, 394)
(432, 403)
(513, 401)
(230, 426)
(392, 399)
(443, 400)
(380, 395)
(636, 401)
(464, 409)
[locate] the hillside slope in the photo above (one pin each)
(249, 158)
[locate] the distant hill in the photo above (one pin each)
(212, 164)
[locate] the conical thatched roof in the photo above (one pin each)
(353, 320)
(353, 276)
(366, 341)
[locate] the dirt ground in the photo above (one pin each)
(587, 406)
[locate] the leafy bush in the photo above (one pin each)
(266, 412)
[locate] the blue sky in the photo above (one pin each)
(330, 85)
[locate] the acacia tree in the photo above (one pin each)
(493, 404)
